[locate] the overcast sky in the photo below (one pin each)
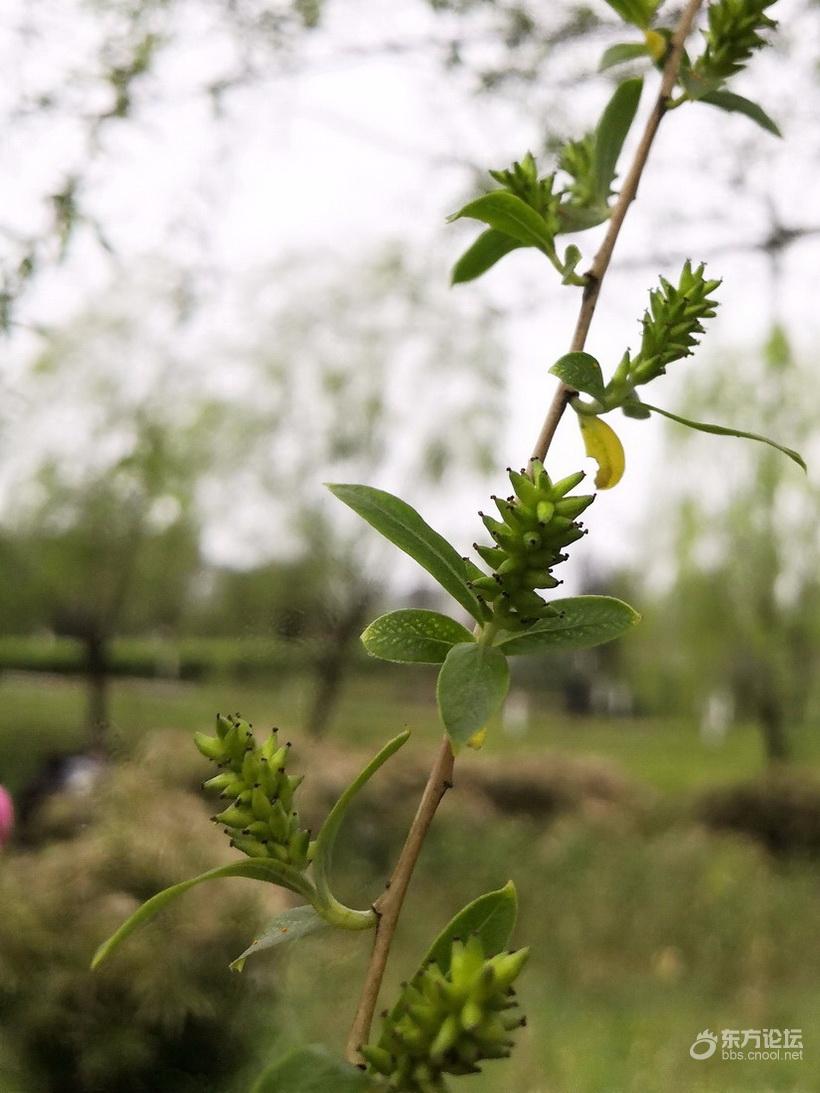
(347, 147)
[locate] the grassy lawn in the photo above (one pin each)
(637, 945)
(43, 714)
(641, 937)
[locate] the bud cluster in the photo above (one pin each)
(577, 159)
(522, 180)
(536, 522)
(447, 1023)
(732, 37)
(673, 322)
(260, 818)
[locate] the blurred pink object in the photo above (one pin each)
(6, 816)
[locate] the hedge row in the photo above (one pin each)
(186, 658)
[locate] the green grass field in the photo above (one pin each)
(43, 713)
(642, 934)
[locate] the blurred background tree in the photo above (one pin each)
(120, 64)
(736, 635)
(166, 426)
(208, 446)
(404, 389)
(104, 557)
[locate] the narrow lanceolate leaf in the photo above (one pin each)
(577, 218)
(313, 1070)
(488, 249)
(723, 430)
(572, 256)
(622, 52)
(491, 916)
(611, 133)
(737, 104)
(254, 868)
(402, 525)
(581, 372)
(414, 636)
(604, 446)
(472, 684)
(509, 214)
(637, 12)
(326, 839)
(584, 621)
(290, 925)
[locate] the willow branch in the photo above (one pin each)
(629, 191)
(388, 906)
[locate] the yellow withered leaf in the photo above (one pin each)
(602, 445)
(655, 44)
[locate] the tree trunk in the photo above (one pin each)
(96, 661)
(332, 666)
(772, 723)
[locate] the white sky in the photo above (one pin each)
(343, 152)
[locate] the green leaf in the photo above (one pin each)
(737, 104)
(290, 925)
(472, 684)
(581, 372)
(490, 246)
(264, 869)
(313, 1070)
(584, 621)
(612, 132)
(326, 839)
(723, 430)
(507, 213)
(637, 12)
(572, 256)
(696, 85)
(620, 53)
(402, 525)
(577, 218)
(634, 408)
(414, 636)
(491, 916)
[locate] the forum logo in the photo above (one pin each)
(750, 1044)
(704, 1046)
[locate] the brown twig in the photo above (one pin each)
(629, 190)
(388, 906)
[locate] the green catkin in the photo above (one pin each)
(734, 33)
(260, 819)
(672, 325)
(448, 1023)
(537, 521)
